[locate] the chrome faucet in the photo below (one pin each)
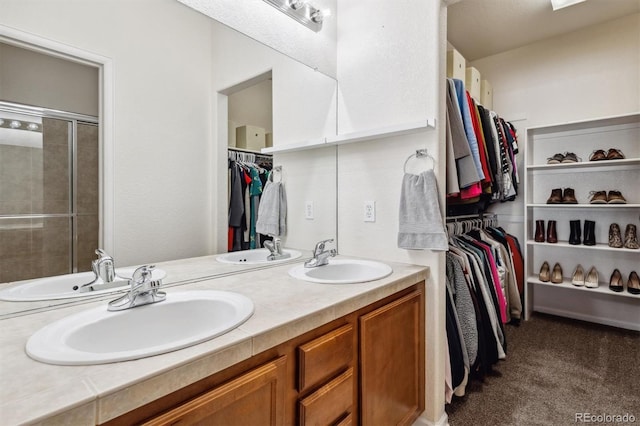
(143, 291)
(275, 249)
(320, 255)
(105, 274)
(103, 266)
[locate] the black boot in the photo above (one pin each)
(574, 237)
(589, 233)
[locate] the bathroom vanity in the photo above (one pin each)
(311, 353)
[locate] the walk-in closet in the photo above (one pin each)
(571, 125)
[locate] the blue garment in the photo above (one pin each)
(468, 125)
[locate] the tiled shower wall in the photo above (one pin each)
(35, 183)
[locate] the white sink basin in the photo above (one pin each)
(343, 271)
(97, 336)
(61, 286)
(255, 257)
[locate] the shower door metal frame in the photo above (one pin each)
(74, 119)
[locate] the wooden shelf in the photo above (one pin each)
(565, 245)
(602, 289)
(367, 135)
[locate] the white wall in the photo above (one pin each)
(594, 72)
(161, 124)
(390, 64)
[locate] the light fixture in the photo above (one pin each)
(15, 124)
(561, 4)
(32, 126)
(301, 11)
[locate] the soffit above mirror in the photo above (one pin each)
(262, 22)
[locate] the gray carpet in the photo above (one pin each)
(555, 368)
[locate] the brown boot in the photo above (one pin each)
(552, 234)
(631, 237)
(569, 196)
(615, 238)
(555, 197)
(539, 237)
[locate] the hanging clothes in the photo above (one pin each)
(483, 287)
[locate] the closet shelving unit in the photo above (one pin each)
(599, 305)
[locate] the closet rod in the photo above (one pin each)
(472, 216)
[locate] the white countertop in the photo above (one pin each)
(284, 308)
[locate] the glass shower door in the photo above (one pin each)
(48, 195)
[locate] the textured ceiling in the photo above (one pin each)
(480, 28)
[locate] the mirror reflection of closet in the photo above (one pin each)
(49, 162)
(250, 125)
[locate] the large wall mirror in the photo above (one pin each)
(302, 104)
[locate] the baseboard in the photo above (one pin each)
(422, 421)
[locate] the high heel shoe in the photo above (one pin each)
(633, 285)
(545, 272)
(615, 282)
(591, 281)
(556, 274)
(578, 276)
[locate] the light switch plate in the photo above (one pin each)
(369, 211)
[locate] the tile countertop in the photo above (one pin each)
(86, 395)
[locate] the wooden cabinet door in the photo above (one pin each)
(253, 398)
(392, 362)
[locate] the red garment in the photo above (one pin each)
(518, 263)
(482, 144)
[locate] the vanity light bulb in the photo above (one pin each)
(32, 126)
(15, 124)
(297, 4)
(1, 121)
(319, 15)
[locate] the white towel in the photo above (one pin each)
(420, 219)
(272, 214)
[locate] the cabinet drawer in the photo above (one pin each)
(330, 403)
(322, 358)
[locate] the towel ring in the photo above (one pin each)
(420, 153)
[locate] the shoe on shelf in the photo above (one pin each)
(570, 157)
(556, 159)
(555, 197)
(615, 154)
(598, 155)
(539, 236)
(578, 276)
(556, 274)
(598, 197)
(569, 196)
(575, 233)
(631, 237)
(616, 197)
(633, 284)
(615, 282)
(615, 237)
(589, 233)
(545, 272)
(552, 234)
(591, 281)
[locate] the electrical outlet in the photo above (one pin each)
(369, 211)
(308, 210)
